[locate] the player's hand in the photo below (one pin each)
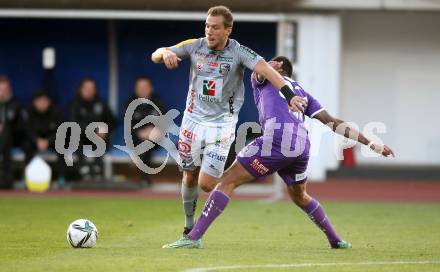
(381, 149)
(170, 59)
(297, 104)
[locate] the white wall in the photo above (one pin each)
(391, 73)
(318, 71)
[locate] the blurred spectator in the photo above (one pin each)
(143, 88)
(41, 123)
(10, 119)
(86, 108)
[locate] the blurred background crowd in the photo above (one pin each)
(32, 128)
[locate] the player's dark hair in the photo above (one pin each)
(143, 78)
(83, 81)
(287, 65)
(224, 11)
(4, 79)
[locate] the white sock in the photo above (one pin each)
(189, 197)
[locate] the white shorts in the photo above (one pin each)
(204, 146)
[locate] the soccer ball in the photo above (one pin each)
(82, 233)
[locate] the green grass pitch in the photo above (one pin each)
(249, 236)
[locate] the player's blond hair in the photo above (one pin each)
(224, 11)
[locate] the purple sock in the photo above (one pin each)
(214, 206)
(317, 214)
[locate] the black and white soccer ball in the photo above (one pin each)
(82, 233)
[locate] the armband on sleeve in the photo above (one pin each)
(288, 93)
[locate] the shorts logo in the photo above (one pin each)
(259, 167)
(184, 149)
(209, 87)
(299, 177)
(216, 156)
(224, 68)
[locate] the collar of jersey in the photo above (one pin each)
(226, 46)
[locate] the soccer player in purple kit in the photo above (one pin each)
(283, 130)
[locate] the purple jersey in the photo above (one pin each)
(271, 103)
(284, 146)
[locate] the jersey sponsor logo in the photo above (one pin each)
(249, 53)
(199, 66)
(225, 59)
(212, 64)
(209, 87)
(224, 68)
(211, 70)
(259, 167)
(231, 104)
(216, 156)
(201, 54)
(210, 99)
(185, 42)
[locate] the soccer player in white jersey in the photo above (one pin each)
(215, 96)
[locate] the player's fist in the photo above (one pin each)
(381, 149)
(170, 59)
(297, 104)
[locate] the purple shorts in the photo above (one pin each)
(267, 160)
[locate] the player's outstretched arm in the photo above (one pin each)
(264, 70)
(165, 55)
(344, 129)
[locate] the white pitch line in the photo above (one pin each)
(236, 267)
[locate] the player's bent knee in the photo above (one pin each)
(299, 195)
(207, 186)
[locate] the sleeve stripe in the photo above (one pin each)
(316, 112)
(185, 42)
